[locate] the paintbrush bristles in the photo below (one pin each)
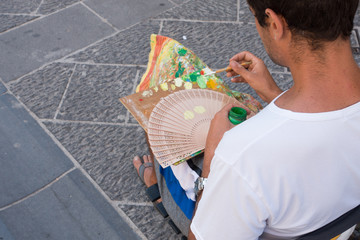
(227, 69)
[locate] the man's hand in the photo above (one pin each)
(257, 75)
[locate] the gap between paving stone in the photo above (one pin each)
(62, 121)
(99, 16)
(37, 191)
(65, 91)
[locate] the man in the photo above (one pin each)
(295, 166)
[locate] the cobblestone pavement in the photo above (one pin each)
(63, 67)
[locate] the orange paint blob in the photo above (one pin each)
(211, 83)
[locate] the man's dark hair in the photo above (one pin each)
(315, 20)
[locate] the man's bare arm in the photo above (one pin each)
(219, 125)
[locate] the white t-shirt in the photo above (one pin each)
(283, 173)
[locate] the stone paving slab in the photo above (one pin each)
(103, 86)
(4, 232)
(50, 6)
(42, 90)
(19, 6)
(131, 46)
(213, 10)
(196, 10)
(245, 14)
(33, 7)
(357, 17)
(179, 1)
(47, 39)
(71, 208)
(354, 39)
(16, 13)
(124, 13)
(29, 158)
(11, 21)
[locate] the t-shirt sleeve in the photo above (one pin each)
(229, 207)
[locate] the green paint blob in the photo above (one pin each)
(201, 81)
(182, 52)
(180, 71)
(185, 78)
(194, 76)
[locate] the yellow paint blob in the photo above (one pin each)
(188, 85)
(172, 87)
(156, 89)
(178, 82)
(164, 86)
(199, 109)
(188, 115)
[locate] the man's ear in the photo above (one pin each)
(276, 24)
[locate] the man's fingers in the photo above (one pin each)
(239, 69)
(231, 74)
(227, 107)
(224, 112)
(238, 79)
(243, 57)
(238, 57)
(239, 104)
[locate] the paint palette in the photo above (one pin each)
(179, 123)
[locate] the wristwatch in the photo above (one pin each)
(199, 185)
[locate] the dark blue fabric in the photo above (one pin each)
(177, 192)
(336, 227)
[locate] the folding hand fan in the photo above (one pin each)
(179, 123)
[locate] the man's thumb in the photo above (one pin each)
(236, 67)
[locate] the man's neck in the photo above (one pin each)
(324, 81)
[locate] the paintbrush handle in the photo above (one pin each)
(223, 70)
(227, 69)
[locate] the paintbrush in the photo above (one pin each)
(227, 69)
